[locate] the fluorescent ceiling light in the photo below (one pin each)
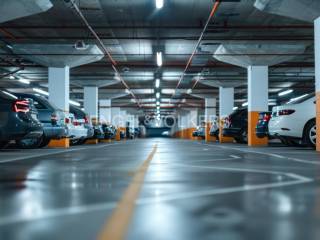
(272, 104)
(11, 77)
(159, 4)
(285, 92)
(297, 98)
(159, 59)
(167, 91)
(235, 108)
(38, 90)
(24, 81)
(127, 91)
(189, 91)
(245, 104)
(158, 103)
(74, 103)
(158, 107)
(157, 83)
(157, 95)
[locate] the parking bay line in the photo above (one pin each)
(56, 152)
(267, 154)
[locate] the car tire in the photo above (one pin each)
(3, 144)
(45, 142)
(310, 134)
(242, 138)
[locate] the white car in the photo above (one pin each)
(295, 122)
(76, 130)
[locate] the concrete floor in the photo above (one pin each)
(191, 190)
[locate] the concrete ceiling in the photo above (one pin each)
(134, 31)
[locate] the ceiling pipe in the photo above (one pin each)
(212, 13)
(104, 49)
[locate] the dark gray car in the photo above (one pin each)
(16, 120)
(52, 118)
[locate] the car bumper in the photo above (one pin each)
(231, 132)
(283, 126)
(53, 132)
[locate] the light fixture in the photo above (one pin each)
(127, 91)
(189, 91)
(285, 92)
(272, 103)
(159, 4)
(24, 81)
(158, 107)
(157, 95)
(234, 108)
(74, 103)
(159, 59)
(245, 104)
(11, 77)
(158, 103)
(297, 98)
(38, 90)
(157, 83)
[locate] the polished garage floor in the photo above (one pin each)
(191, 190)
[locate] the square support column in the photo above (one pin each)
(59, 87)
(91, 103)
(116, 120)
(317, 75)
(210, 114)
(59, 90)
(226, 104)
(257, 101)
(192, 123)
(105, 111)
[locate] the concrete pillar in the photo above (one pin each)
(59, 87)
(226, 104)
(59, 90)
(91, 102)
(192, 122)
(317, 75)
(210, 114)
(257, 101)
(105, 111)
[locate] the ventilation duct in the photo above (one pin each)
(13, 9)
(305, 10)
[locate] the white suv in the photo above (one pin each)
(296, 121)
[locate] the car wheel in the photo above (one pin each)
(243, 138)
(310, 134)
(29, 143)
(45, 142)
(3, 144)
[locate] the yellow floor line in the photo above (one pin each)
(117, 225)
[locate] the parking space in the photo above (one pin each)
(223, 192)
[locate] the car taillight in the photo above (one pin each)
(86, 120)
(67, 120)
(266, 117)
(285, 112)
(75, 123)
(21, 106)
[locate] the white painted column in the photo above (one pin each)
(105, 111)
(226, 101)
(124, 118)
(193, 118)
(257, 101)
(115, 116)
(91, 101)
(210, 109)
(317, 75)
(258, 79)
(59, 87)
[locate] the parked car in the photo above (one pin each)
(77, 133)
(236, 125)
(295, 122)
(82, 120)
(109, 131)
(53, 119)
(214, 129)
(199, 132)
(98, 132)
(17, 120)
(262, 129)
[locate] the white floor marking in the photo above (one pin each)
(267, 154)
(55, 152)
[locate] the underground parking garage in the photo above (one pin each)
(159, 119)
